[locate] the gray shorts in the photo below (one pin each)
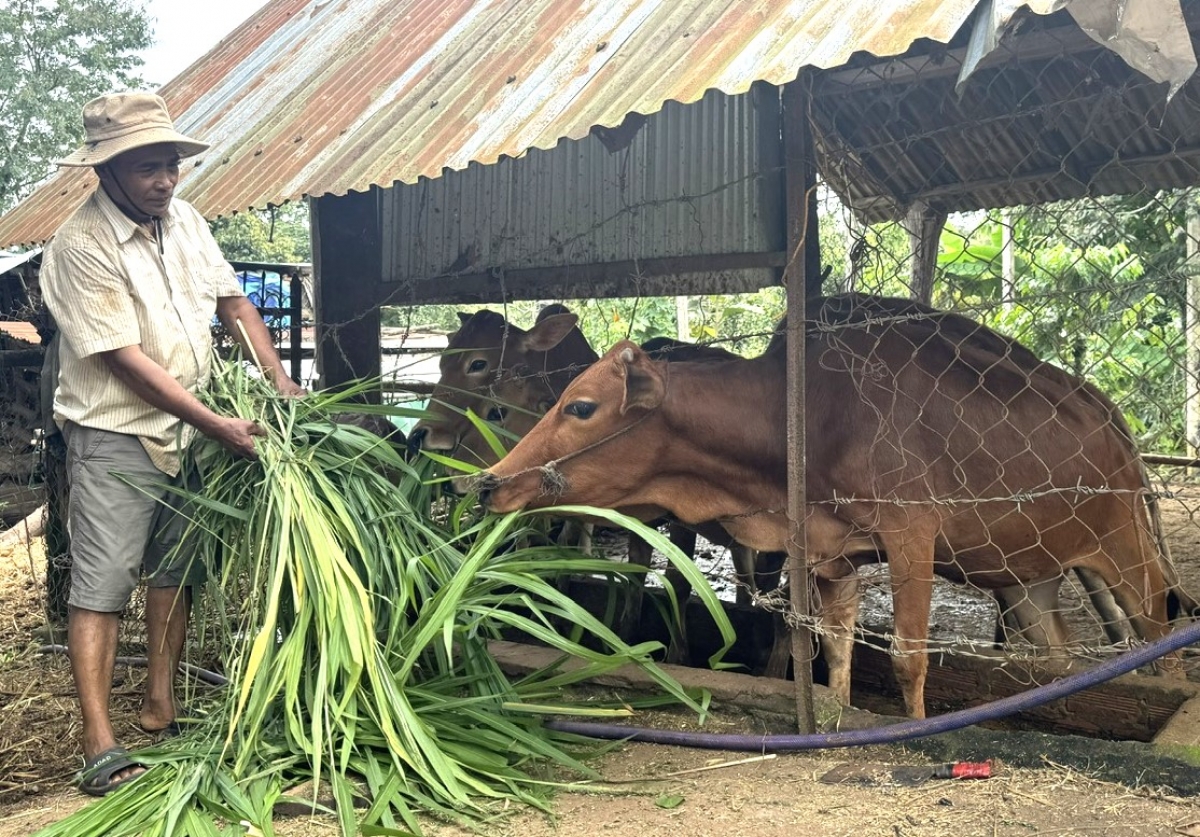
(122, 520)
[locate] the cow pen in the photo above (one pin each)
(1031, 174)
(1010, 201)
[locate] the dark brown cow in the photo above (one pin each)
(489, 352)
(922, 447)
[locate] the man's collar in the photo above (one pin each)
(124, 226)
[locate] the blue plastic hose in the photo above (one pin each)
(904, 730)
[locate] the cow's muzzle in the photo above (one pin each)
(485, 484)
(416, 439)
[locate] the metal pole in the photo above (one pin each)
(1191, 378)
(295, 327)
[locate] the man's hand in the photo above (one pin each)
(237, 435)
(289, 388)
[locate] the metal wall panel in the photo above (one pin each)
(651, 198)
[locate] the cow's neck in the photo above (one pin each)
(724, 460)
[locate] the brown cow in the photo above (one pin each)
(488, 351)
(922, 447)
(510, 377)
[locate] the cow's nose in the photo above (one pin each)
(416, 439)
(485, 484)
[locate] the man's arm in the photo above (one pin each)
(255, 340)
(159, 389)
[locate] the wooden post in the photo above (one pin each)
(1008, 262)
(1191, 377)
(924, 224)
(800, 180)
(296, 325)
(347, 281)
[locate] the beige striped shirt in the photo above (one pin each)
(108, 287)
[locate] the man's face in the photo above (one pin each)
(146, 178)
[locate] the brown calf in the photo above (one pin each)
(924, 445)
(489, 352)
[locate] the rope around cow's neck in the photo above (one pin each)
(554, 482)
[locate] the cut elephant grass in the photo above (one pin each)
(354, 634)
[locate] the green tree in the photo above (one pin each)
(1097, 293)
(279, 235)
(56, 55)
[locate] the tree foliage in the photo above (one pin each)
(1099, 291)
(278, 236)
(56, 55)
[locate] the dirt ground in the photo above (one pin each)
(650, 789)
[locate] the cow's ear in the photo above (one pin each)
(548, 333)
(644, 386)
(464, 317)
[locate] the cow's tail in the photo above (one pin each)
(1179, 601)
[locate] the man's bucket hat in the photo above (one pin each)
(121, 122)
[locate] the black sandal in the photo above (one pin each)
(96, 778)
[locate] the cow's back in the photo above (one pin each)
(1019, 458)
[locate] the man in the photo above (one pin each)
(133, 279)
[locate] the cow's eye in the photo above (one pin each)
(497, 414)
(478, 365)
(580, 409)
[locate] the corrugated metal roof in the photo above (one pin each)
(1074, 122)
(20, 330)
(696, 181)
(312, 97)
(324, 96)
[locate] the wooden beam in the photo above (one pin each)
(347, 271)
(21, 358)
(1130, 707)
(924, 224)
(588, 281)
(800, 179)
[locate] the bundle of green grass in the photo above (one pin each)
(353, 627)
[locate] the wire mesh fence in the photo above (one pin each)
(1083, 251)
(1085, 254)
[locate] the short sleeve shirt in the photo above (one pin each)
(108, 286)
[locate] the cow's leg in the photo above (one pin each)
(768, 567)
(838, 614)
(781, 648)
(908, 542)
(1139, 587)
(1112, 618)
(629, 616)
(1033, 613)
(684, 538)
(576, 533)
(744, 564)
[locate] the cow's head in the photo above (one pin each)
(595, 447)
(503, 374)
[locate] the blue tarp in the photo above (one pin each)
(266, 289)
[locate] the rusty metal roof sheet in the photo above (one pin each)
(20, 330)
(312, 97)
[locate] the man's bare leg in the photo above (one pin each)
(167, 612)
(92, 643)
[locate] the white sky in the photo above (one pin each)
(184, 31)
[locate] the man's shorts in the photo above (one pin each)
(123, 520)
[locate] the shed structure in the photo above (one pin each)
(491, 150)
(479, 150)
